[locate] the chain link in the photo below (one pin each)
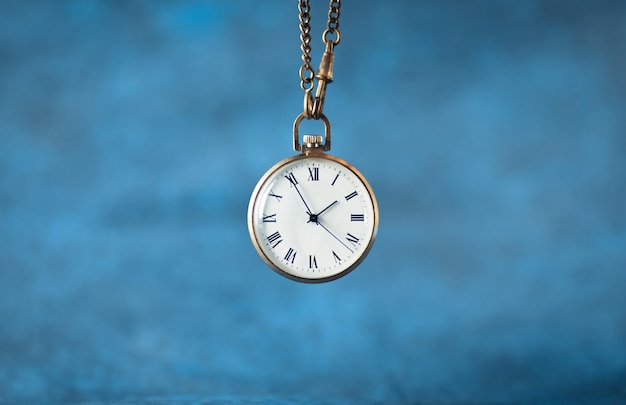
(333, 21)
(306, 70)
(331, 37)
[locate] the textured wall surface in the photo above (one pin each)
(131, 137)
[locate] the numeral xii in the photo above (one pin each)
(314, 174)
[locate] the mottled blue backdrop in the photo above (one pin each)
(133, 132)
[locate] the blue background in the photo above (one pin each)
(131, 137)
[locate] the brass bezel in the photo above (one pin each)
(254, 198)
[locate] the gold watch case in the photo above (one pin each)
(312, 243)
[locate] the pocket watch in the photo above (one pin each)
(313, 217)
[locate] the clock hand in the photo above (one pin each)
(294, 184)
(313, 217)
(333, 235)
(331, 204)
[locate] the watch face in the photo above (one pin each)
(313, 218)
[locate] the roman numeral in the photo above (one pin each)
(269, 218)
(337, 258)
(275, 237)
(278, 197)
(357, 217)
(352, 238)
(292, 179)
(351, 195)
(314, 173)
(335, 179)
(312, 262)
(291, 255)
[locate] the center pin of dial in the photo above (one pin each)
(312, 218)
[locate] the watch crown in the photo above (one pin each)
(312, 140)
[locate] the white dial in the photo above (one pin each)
(313, 218)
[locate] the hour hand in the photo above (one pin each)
(314, 217)
(330, 205)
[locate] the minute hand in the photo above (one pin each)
(294, 184)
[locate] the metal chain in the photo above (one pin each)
(306, 71)
(333, 21)
(313, 106)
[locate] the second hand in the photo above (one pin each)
(333, 235)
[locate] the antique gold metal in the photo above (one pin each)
(312, 141)
(306, 70)
(324, 76)
(303, 148)
(313, 159)
(314, 106)
(254, 200)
